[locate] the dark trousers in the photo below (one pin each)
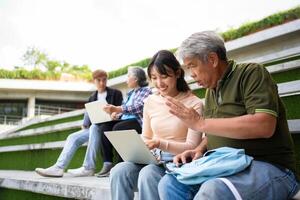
(106, 146)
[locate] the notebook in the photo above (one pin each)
(131, 147)
(96, 112)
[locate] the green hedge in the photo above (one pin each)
(34, 74)
(267, 22)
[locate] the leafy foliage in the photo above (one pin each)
(35, 57)
(267, 22)
(44, 68)
(35, 74)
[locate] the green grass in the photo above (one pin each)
(29, 160)
(200, 92)
(43, 158)
(53, 122)
(287, 76)
(282, 60)
(10, 194)
(292, 106)
(49, 137)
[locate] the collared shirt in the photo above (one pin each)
(248, 89)
(137, 104)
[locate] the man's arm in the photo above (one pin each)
(250, 126)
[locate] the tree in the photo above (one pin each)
(35, 58)
(40, 61)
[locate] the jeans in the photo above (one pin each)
(260, 180)
(73, 142)
(93, 147)
(95, 138)
(127, 177)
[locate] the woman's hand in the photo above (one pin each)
(187, 156)
(189, 116)
(153, 143)
(114, 116)
(111, 108)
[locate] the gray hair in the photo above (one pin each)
(201, 44)
(139, 74)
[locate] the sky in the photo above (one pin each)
(110, 34)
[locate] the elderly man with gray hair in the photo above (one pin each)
(242, 110)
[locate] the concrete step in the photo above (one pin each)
(38, 120)
(43, 130)
(70, 187)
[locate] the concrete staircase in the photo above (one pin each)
(39, 142)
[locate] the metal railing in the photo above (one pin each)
(39, 110)
(10, 119)
(51, 110)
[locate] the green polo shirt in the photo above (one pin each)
(248, 89)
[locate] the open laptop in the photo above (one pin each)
(96, 112)
(131, 147)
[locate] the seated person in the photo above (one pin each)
(242, 110)
(75, 140)
(131, 118)
(161, 130)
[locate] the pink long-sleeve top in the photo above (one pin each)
(175, 137)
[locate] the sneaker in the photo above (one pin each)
(52, 171)
(81, 172)
(105, 171)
